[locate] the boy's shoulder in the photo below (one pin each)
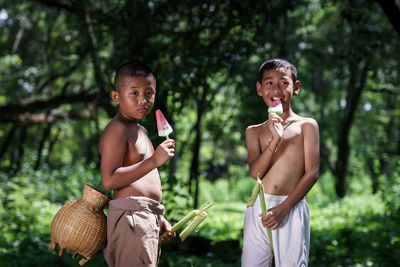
(120, 127)
(256, 126)
(307, 121)
(255, 130)
(308, 126)
(115, 123)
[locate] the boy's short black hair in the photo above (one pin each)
(130, 69)
(277, 63)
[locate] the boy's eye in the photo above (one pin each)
(134, 93)
(150, 93)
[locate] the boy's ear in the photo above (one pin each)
(296, 87)
(115, 96)
(258, 86)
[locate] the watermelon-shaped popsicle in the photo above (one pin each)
(162, 124)
(276, 107)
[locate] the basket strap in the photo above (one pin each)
(102, 197)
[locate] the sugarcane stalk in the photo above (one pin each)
(264, 209)
(254, 194)
(189, 216)
(193, 213)
(262, 197)
(193, 224)
(184, 220)
(206, 206)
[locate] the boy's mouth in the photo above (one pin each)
(143, 109)
(276, 99)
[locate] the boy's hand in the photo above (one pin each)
(166, 233)
(274, 217)
(164, 152)
(275, 125)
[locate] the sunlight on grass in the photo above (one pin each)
(225, 222)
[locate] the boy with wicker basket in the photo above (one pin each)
(129, 163)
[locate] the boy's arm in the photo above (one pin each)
(260, 161)
(311, 157)
(114, 144)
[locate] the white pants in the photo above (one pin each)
(291, 240)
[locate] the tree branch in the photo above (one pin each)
(53, 76)
(392, 12)
(15, 110)
(28, 119)
(67, 5)
(63, 4)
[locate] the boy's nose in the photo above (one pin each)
(142, 99)
(278, 87)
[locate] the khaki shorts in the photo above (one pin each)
(133, 228)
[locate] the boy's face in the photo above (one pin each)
(135, 97)
(277, 84)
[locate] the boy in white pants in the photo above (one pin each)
(284, 152)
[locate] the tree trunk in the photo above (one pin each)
(7, 141)
(103, 95)
(46, 133)
(15, 164)
(51, 145)
(374, 174)
(194, 167)
(353, 97)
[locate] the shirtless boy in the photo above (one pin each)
(129, 165)
(284, 152)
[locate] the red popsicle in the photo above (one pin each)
(164, 129)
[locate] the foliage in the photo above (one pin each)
(29, 202)
(359, 229)
(354, 231)
(57, 60)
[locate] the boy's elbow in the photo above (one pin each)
(107, 188)
(107, 184)
(315, 175)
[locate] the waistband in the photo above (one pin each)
(137, 204)
(277, 199)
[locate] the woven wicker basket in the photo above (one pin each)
(80, 225)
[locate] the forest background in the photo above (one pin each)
(57, 61)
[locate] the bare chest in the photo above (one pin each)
(291, 142)
(138, 148)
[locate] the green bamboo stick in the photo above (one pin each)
(193, 224)
(254, 194)
(262, 198)
(192, 214)
(184, 220)
(264, 209)
(206, 206)
(189, 216)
